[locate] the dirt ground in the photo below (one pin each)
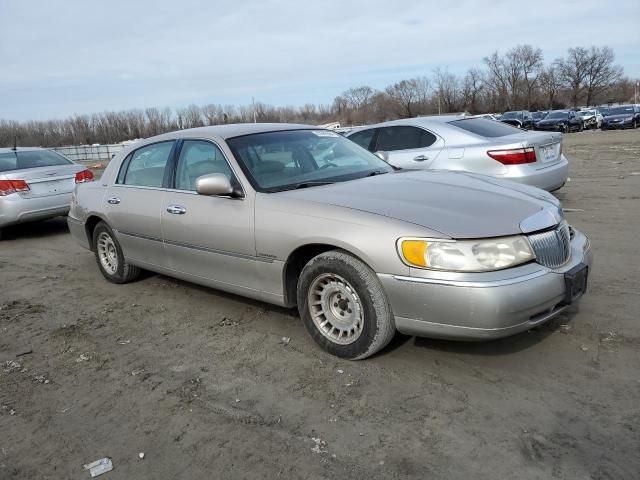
(204, 385)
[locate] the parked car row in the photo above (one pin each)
(625, 116)
(362, 244)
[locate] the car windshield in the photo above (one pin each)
(509, 115)
(621, 111)
(30, 159)
(289, 159)
(538, 115)
(557, 115)
(586, 113)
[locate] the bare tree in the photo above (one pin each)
(573, 72)
(212, 113)
(358, 97)
(407, 93)
(447, 89)
(550, 84)
(601, 72)
(472, 86)
(529, 60)
(498, 80)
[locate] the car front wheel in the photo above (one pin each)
(343, 306)
(110, 258)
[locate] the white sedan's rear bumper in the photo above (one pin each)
(16, 209)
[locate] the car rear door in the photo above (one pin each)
(209, 237)
(408, 146)
(134, 202)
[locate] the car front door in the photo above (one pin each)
(210, 237)
(134, 202)
(408, 147)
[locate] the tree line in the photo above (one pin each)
(518, 79)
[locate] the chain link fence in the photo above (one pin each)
(90, 153)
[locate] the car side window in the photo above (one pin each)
(197, 158)
(363, 138)
(146, 166)
(403, 138)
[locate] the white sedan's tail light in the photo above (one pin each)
(7, 187)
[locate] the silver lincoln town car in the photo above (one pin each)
(300, 216)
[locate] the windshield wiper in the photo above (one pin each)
(311, 184)
(376, 172)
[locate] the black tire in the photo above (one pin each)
(581, 127)
(123, 271)
(378, 325)
(635, 124)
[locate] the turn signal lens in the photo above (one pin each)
(84, 176)
(414, 252)
(7, 187)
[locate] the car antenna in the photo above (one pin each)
(15, 143)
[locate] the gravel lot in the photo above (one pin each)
(202, 383)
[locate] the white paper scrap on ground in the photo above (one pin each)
(99, 467)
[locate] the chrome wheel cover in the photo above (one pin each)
(107, 253)
(335, 308)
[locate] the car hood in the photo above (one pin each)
(456, 204)
(623, 116)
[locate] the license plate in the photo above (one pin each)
(548, 153)
(575, 281)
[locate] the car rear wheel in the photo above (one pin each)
(343, 306)
(110, 257)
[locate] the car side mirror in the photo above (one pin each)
(215, 184)
(382, 155)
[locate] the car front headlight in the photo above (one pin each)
(481, 255)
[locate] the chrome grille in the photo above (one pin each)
(552, 248)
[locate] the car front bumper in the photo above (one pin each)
(550, 128)
(481, 306)
(616, 126)
(16, 209)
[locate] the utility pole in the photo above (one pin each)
(635, 92)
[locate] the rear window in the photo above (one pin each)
(30, 159)
(485, 128)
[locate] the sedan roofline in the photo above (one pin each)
(231, 130)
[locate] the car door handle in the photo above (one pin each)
(420, 158)
(113, 200)
(176, 209)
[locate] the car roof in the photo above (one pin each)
(232, 130)
(419, 121)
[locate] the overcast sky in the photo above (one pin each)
(60, 57)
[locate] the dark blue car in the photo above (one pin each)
(624, 116)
